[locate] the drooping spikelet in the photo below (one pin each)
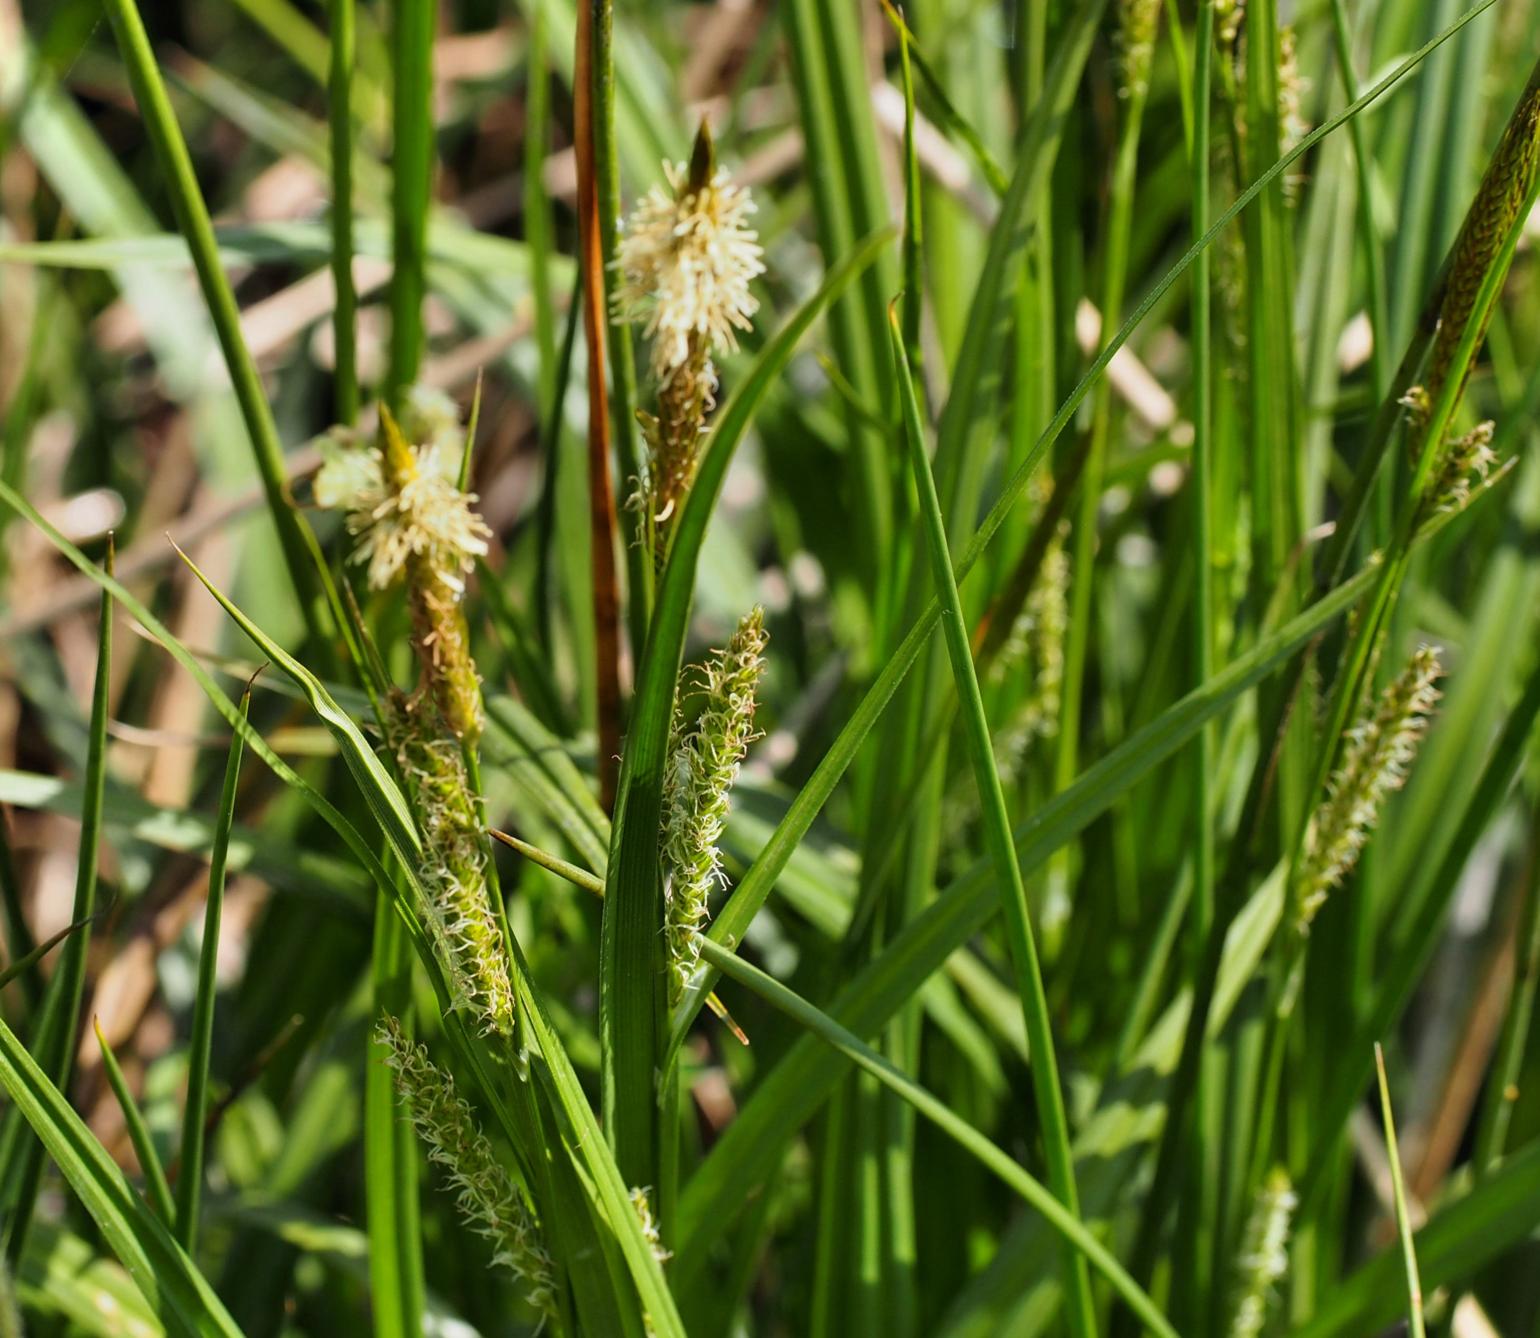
(1379, 751)
(488, 1200)
(413, 523)
(1503, 193)
(686, 259)
(703, 765)
(453, 872)
(1264, 1255)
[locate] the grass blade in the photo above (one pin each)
(1079, 1241)
(59, 1025)
(189, 1185)
(193, 220)
(1002, 849)
(1398, 1187)
(182, 1299)
(155, 1186)
(339, 86)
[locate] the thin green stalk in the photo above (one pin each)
(1083, 563)
(340, 123)
(155, 1187)
(189, 1185)
(390, 1151)
(412, 32)
(305, 567)
(1201, 483)
(1398, 1187)
(1078, 1240)
(997, 831)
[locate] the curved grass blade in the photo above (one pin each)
(1064, 1223)
(155, 1186)
(631, 1010)
(189, 1185)
(383, 795)
(181, 1297)
(22, 964)
(997, 836)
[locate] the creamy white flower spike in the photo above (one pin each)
(686, 260)
(425, 516)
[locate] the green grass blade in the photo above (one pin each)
(189, 1185)
(193, 220)
(1066, 1224)
(24, 964)
(182, 1299)
(1398, 1188)
(58, 1027)
(339, 84)
(749, 1148)
(390, 1150)
(631, 972)
(1002, 848)
(155, 1186)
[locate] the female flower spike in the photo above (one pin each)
(414, 525)
(702, 768)
(686, 261)
(1379, 751)
(489, 1202)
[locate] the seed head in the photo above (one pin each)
(453, 871)
(686, 259)
(1504, 191)
(1264, 1255)
(489, 1202)
(1379, 752)
(702, 768)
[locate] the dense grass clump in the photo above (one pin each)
(800, 667)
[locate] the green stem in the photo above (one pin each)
(412, 161)
(1078, 1240)
(340, 121)
(189, 1185)
(300, 554)
(1002, 847)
